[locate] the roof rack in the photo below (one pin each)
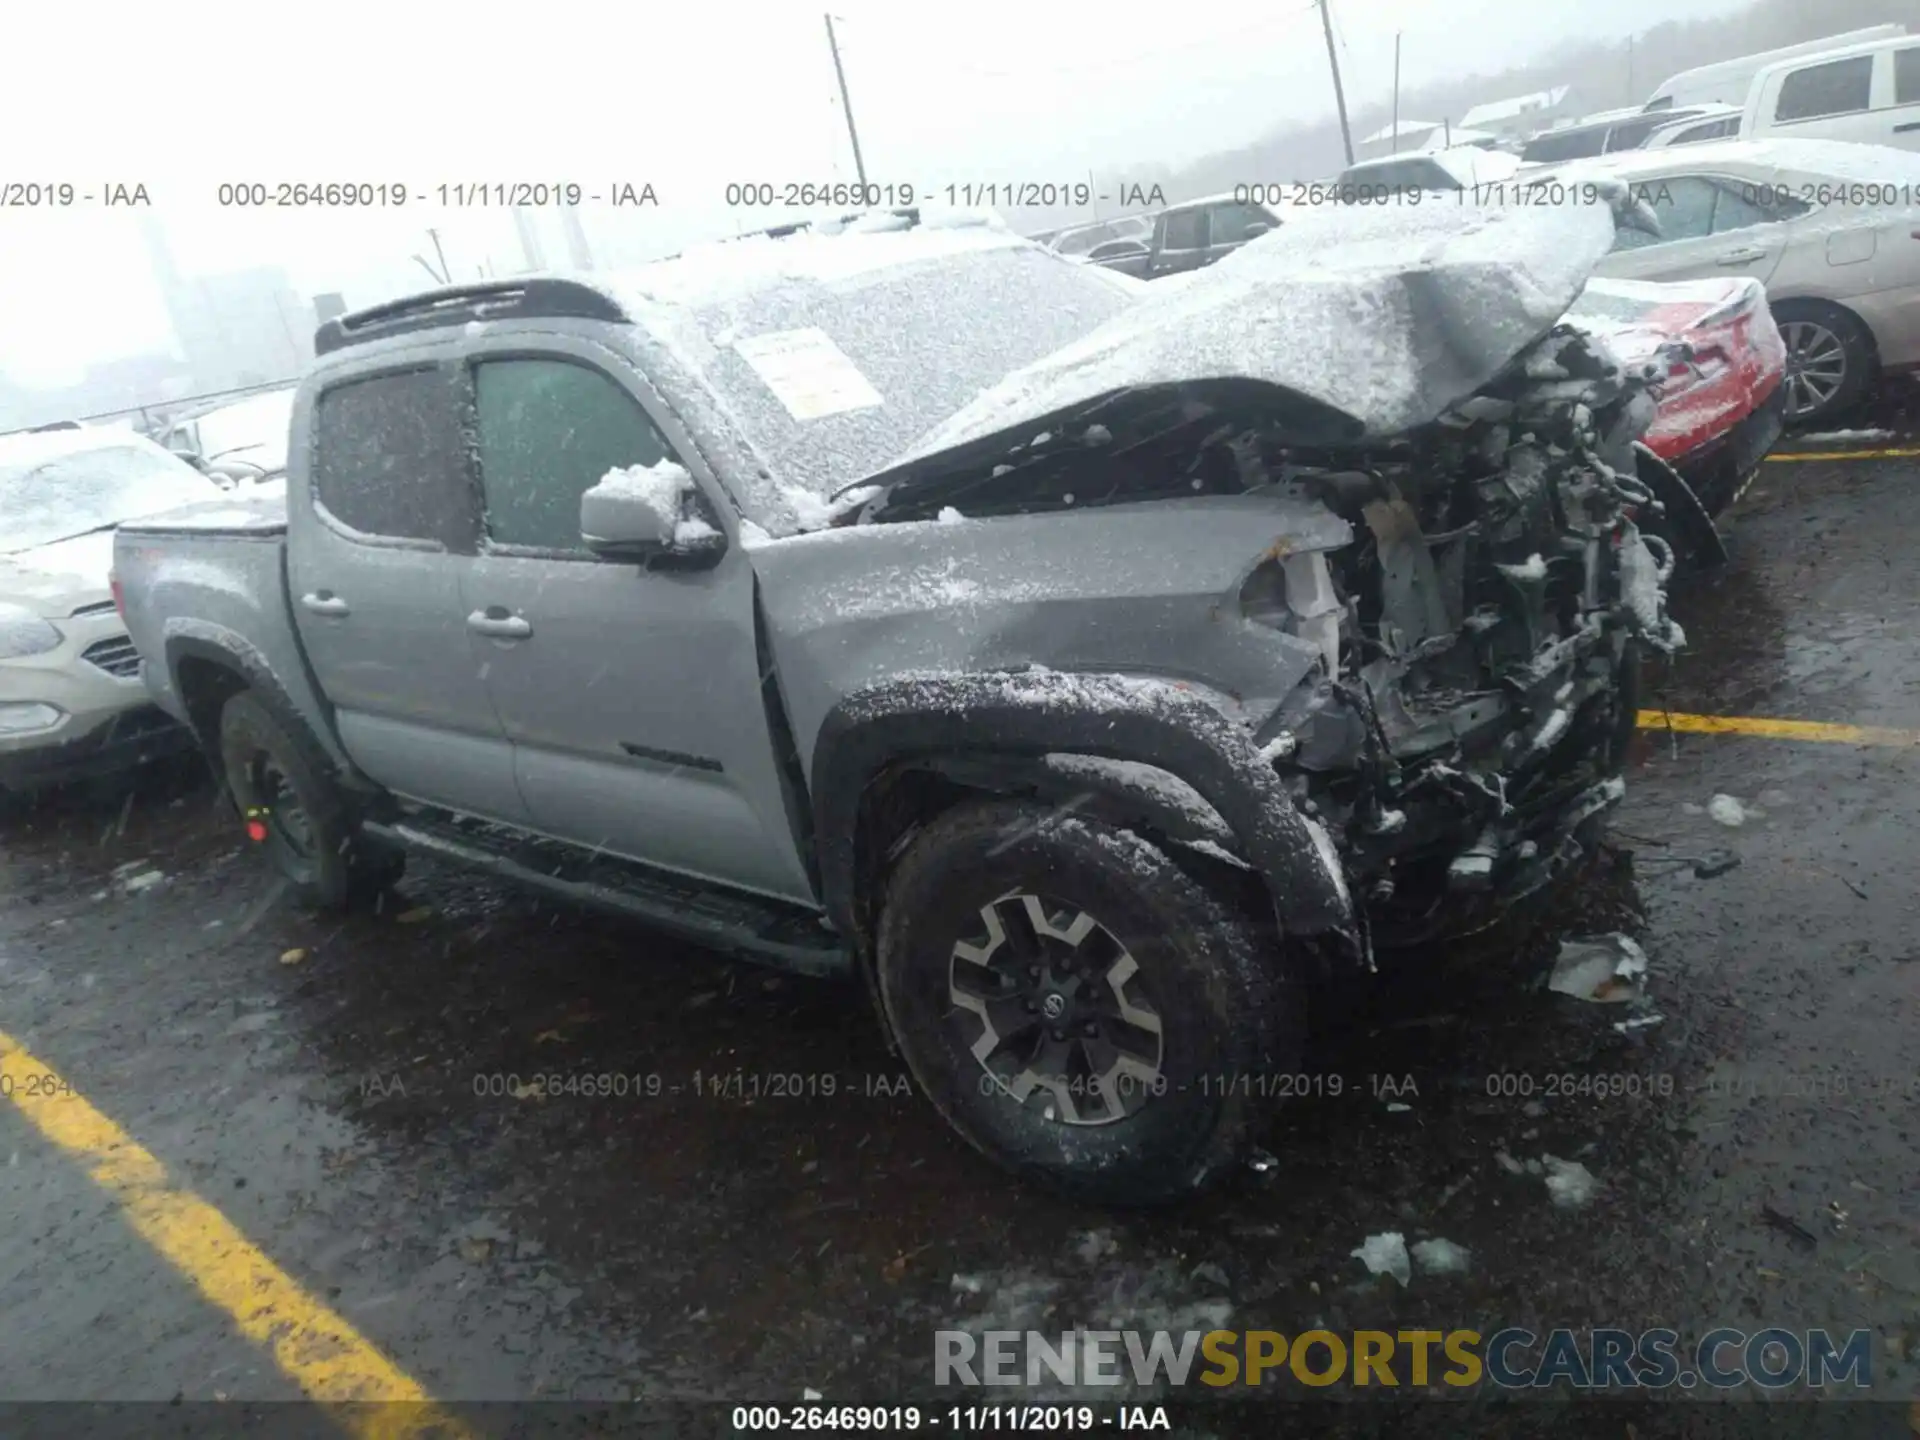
(532, 297)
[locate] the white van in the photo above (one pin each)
(1729, 81)
(1867, 93)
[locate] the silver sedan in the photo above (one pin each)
(1832, 229)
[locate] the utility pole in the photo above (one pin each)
(1339, 92)
(1396, 92)
(846, 105)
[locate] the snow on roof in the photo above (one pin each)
(1838, 159)
(1407, 128)
(1513, 107)
(1385, 313)
(728, 269)
(25, 451)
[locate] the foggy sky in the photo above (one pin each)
(201, 91)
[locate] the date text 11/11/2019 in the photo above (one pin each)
(450, 195)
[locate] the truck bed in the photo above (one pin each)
(211, 579)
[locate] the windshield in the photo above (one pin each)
(257, 426)
(92, 490)
(1079, 242)
(845, 375)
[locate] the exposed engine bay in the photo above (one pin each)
(1480, 636)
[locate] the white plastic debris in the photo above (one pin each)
(1606, 969)
(145, 880)
(1726, 810)
(1394, 1107)
(950, 516)
(1442, 1257)
(969, 1284)
(1385, 1254)
(1639, 1022)
(809, 1393)
(1569, 1182)
(1507, 1163)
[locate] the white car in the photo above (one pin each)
(241, 443)
(1831, 229)
(71, 701)
(1462, 167)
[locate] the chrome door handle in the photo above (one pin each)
(325, 602)
(1741, 257)
(497, 624)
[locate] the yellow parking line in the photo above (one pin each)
(316, 1348)
(1897, 454)
(1818, 730)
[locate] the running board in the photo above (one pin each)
(754, 927)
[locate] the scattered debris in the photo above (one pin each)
(1442, 1257)
(145, 880)
(414, 916)
(1725, 810)
(1639, 1022)
(969, 1284)
(293, 956)
(1385, 1254)
(1569, 1182)
(1260, 1162)
(1789, 1226)
(1716, 864)
(1507, 1163)
(1394, 1107)
(809, 1393)
(1607, 969)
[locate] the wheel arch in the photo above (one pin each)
(207, 670)
(890, 757)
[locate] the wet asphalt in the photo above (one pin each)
(350, 1107)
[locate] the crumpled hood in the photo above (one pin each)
(55, 580)
(1382, 315)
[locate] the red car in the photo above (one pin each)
(1722, 404)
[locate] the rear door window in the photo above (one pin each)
(1839, 87)
(388, 459)
(548, 431)
(1906, 76)
(1185, 230)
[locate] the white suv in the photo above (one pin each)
(71, 701)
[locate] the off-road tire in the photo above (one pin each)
(1230, 1011)
(338, 867)
(1856, 344)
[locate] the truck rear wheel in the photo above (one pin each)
(1078, 1006)
(296, 813)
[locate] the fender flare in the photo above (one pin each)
(187, 638)
(928, 722)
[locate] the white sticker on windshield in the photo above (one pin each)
(808, 373)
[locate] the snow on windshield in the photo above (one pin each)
(833, 353)
(256, 427)
(1388, 313)
(47, 497)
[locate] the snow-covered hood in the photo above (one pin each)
(1366, 320)
(57, 579)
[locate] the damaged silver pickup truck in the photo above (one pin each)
(1246, 631)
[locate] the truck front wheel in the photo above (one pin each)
(296, 813)
(1078, 1006)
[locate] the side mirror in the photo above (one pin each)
(649, 515)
